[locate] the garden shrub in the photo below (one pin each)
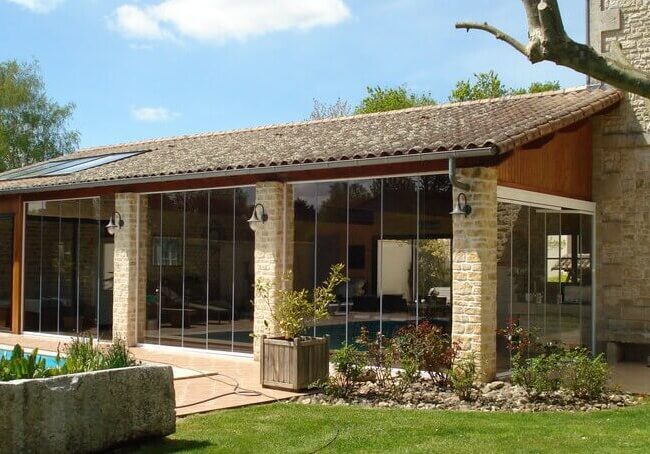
(430, 348)
(381, 355)
(349, 364)
(539, 374)
(584, 376)
(82, 354)
(462, 376)
(22, 366)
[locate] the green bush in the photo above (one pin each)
(560, 368)
(21, 366)
(584, 376)
(539, 374)
(82, 354)
(462, 376)
(349, 364)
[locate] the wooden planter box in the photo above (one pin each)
(295, 364)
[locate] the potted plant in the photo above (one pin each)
(292, 360)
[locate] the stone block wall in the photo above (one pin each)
(130, 268)
(621, 172)
(474, 276)
(273, 250)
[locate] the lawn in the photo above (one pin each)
(294, 428)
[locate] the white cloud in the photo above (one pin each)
(223, 20)
(152, 114)
(38, 6)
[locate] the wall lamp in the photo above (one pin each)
(258, 217)
(112, 227)
(462, 207)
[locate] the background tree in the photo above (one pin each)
(384, 99)
(321, 110)
(489, 85)
(32, 126)
(548, 40)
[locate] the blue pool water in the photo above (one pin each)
(50, 361)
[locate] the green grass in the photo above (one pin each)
(294, 428)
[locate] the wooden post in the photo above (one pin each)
(16, 278)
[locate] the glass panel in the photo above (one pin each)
(305, 201)
(365, 230)
(68, 257)
(221, 271)
(50, 265)
(33, 267)
(552, 326)
(196, 269)
(6, 274)
(87, 163)
(398, 254)
(154, 268)
(433, 279)
(331, 248)
(169, 247)
(244, 271)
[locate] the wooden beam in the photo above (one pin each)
(16, 281)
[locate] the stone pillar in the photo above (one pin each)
(273, 250)
(474, 276)
(621, 184)
(130, 269)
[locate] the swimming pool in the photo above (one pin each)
(50, 361)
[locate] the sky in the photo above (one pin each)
(138, 69)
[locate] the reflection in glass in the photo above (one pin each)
(545, 284)
(394, 237)
(200, 272)
(62, 268)
(6, 264)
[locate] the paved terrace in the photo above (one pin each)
(197, 376)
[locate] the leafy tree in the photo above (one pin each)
(321, 110)
(380, 99)
(489, 85)
(32, 126)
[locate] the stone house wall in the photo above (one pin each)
(621, 185)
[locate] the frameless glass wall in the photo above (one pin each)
(6, 269)
(200, 270)
(544, 278)
(394, 237)
(68, 267)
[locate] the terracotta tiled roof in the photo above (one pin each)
(502, 123)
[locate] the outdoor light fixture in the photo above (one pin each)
(258, 217)
(462, 207)
(112, 227)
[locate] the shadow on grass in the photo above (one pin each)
(164, 445)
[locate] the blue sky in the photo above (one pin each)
(139, 69)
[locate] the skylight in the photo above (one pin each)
(64, 166)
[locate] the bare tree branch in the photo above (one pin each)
(548, 40)
(496, 32)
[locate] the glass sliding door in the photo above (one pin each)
(200, 269)
(394, 237)
(544, 275)
(6, 269)
(63, 266)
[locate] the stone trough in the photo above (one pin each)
(87, 412)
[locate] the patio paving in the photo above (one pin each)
(217, 381)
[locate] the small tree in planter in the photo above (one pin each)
(295, 361)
